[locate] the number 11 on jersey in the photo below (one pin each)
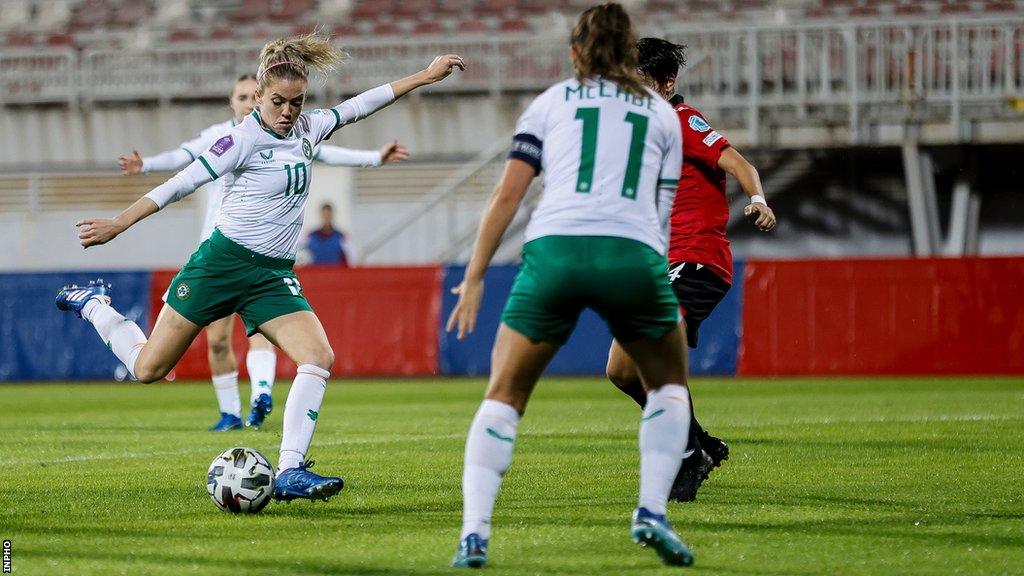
(591, 121)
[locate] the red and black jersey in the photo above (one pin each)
(700, 213)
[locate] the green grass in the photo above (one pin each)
(835, 477)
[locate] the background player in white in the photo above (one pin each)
(246, 264)
(610, 150)
(261, 359)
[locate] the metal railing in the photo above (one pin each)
(751, 67)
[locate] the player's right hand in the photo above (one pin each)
(763, 217)
(130, 165)
(96, 231)
(464, 314)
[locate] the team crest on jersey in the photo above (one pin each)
(307, 149)
(698, 124)
(183, 291)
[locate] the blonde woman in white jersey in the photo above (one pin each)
(261, 359)
(246, 265)
(610, 150)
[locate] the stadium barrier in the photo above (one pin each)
(39, 342)
(814, 317)
(380, 321)
(874, 317)
(587, 349)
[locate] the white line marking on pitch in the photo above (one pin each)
(537, 434)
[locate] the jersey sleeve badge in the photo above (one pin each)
(223, 145)
(698, 124)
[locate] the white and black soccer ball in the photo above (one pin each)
(240, 480)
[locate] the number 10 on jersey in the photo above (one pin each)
(591, 120)
(296, 185)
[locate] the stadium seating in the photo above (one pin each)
(119, 20)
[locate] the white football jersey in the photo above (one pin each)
(610, 161)
(266, 176)
(215, 189)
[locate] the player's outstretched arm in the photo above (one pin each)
(501, 208)
(96, 231)
(750, 181)
(338, 156)
(438, 70)
(362, 105)
(226, 157)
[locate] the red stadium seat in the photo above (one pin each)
(415, 8)
(492, 7)
(20, 40)
(60, 40)
(535, 6)
(864, 11)
(183, 35)
(386, 29)
(1000, 6)
(343, 31)
(471, 26)
(514, 26)
(428, 27)
(451, 7)
(954, 7)
(910, 9)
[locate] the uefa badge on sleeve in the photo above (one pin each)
(307, 149)
(183, 291)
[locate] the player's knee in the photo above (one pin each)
(621, 376)
(322, 358)
(218, 346)
(148, 373)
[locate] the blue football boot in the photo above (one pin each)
(227, 422)
(653, 530)
(261, 408)
(472, 552)
(73, 298)
(299, 482)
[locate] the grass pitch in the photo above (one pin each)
(826, 477)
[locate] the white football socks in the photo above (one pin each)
(226, 388)
(488, 455)
(300, 414)
(262, 366)
(124, 337)
(664, 431)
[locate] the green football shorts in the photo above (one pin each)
(623, 280)
(223, 277)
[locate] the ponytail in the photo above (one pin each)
(605, 45)
(293, 58)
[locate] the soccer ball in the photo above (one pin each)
(240, 480)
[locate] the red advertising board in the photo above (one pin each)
(900, 316)
(380, 321)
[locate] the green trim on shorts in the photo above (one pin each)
(237, 250)
(208, 168)
(623, 280)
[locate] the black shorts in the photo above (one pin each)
(698, 290)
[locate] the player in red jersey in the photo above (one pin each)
(700, 261)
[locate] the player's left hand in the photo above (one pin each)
(465, 312)
(765, 218)
(96, 231)
(442, 66)
(393, 152)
